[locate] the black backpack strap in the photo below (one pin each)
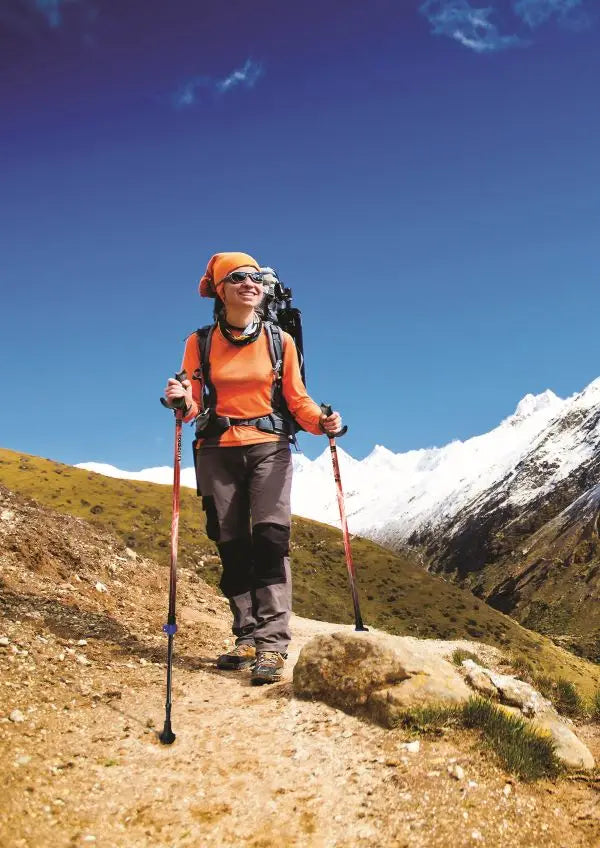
(275, 343)
(280, 407)
(209, 393)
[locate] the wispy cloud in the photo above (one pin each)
(537, 12)
(54, 10)
(468, 25)
(476, 28)
(245, 76)
(51, 10)
(34, 20)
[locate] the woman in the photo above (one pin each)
(245, 470)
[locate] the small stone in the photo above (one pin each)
(82, 642)
(507, 790)
(100, 587)
(472, 784)
(130, 554)
(456, 771)
(475, 834)
(4, 641)
(16, 716)
(83, 660)
(479, 680)
(347, 734)
(23, 760)
(411, 747)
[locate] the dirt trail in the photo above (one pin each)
(251, 766)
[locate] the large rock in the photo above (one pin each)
(441, 688)
(478, 680)
(511, 690)
(383, 676)
(376, 673)
(567, 747)
(522, 699)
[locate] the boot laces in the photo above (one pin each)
(240, 650)
(269, 658)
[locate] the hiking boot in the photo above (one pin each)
(267, 668)
(242, 656)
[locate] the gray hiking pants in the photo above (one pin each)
(246, 497)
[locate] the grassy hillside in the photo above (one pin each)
(396, 593)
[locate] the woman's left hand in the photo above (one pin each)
(331, 424)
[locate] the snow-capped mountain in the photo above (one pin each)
(391, 497)
(160, 474)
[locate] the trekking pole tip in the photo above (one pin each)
(362, 627)
(167, 737)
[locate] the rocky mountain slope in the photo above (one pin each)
(82, 660)
(529, 543)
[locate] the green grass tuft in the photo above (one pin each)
(562, 693)
(595, 706)
(431, 718)
(568, 701)
(522, 667)
(459, 655)
(522, 751)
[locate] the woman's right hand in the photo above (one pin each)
(174, 389)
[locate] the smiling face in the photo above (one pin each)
(245, 295)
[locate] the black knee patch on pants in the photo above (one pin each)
(236, 559)
(212, 519)
(271, 543)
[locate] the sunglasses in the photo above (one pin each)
(237, 277)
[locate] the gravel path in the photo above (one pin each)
(82, 664)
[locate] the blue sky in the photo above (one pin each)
(424, 175)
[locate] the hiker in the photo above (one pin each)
(243, 458)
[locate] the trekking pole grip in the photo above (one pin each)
(327, 409)
(178, 403)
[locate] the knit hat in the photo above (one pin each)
(219, 266)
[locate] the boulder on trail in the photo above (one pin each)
(376, 673)
(381, 676)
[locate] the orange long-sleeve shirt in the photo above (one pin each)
(243, 377)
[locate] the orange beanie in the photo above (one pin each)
(219, 266)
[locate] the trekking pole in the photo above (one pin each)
(327, 410)
(167, 737)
